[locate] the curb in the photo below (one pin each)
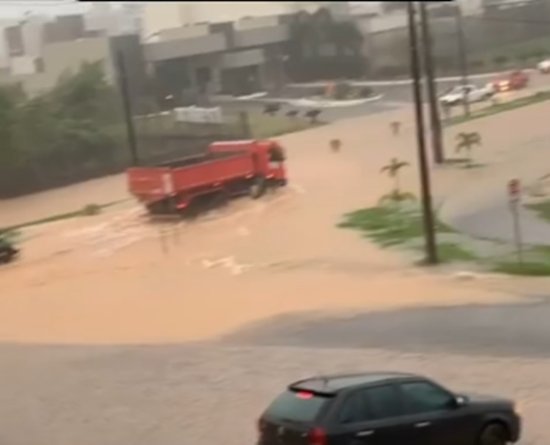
(333, 104)
(405, 81)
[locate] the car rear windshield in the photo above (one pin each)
(297, 406)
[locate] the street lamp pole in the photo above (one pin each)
(127, 108)
(462, 55)
(427, 210)
(435, 121)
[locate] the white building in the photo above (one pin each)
(28, 32)
(159, 16)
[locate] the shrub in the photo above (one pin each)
(91, 210)
(477, 64)
(56, 137)
(500, 60)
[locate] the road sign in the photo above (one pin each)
(514, 189)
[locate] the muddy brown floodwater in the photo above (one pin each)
(116, 278)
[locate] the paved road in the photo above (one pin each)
(480, 207)
(393, 96)
(494, 221)
(207, 394)
(502, 330)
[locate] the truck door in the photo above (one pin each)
(256, 163)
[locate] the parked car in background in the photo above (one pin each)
(544, 66)
(515, 80)
(385, 408)
(470, 93)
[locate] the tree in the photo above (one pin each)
(58, 136)
(465, 141)
(346, 37)
(320, 47)
(393, 170)
(500, 60)
(10, 101)
(395, 127)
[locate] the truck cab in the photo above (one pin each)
(268, 157)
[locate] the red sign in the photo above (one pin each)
(514, 189)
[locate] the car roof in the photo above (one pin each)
(331, 384)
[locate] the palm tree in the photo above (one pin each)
(392, 170)
(395, 127)
(466, 141)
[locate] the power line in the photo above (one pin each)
(425, 184)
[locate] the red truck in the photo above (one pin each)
(227, 169)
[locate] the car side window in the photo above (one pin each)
(421, 397)
(379, 402)
(384, 402)
(354, 409)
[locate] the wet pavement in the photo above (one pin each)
(496, 330)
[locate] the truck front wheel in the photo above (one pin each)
(257, 187)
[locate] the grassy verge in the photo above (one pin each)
(88, 210)
(536, 263)
(453, 252)
(529, 268)
(391, 226)
(388, 225)
(541, 96)
(263, 126)
(542, 209)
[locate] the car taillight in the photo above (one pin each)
(317, 436)
(305, 395)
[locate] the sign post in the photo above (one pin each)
(514, 196)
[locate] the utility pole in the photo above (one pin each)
(461, 43)
(427, 210)
(435, 121)
(130, 130)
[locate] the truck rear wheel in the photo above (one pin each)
(257, 187)
(164, 207)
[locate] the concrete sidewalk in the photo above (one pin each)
(480, 206)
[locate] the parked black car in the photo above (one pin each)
(385, 408)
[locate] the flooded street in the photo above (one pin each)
(116, 278)
(115, 329)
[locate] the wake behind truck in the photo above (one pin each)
(227, 169)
